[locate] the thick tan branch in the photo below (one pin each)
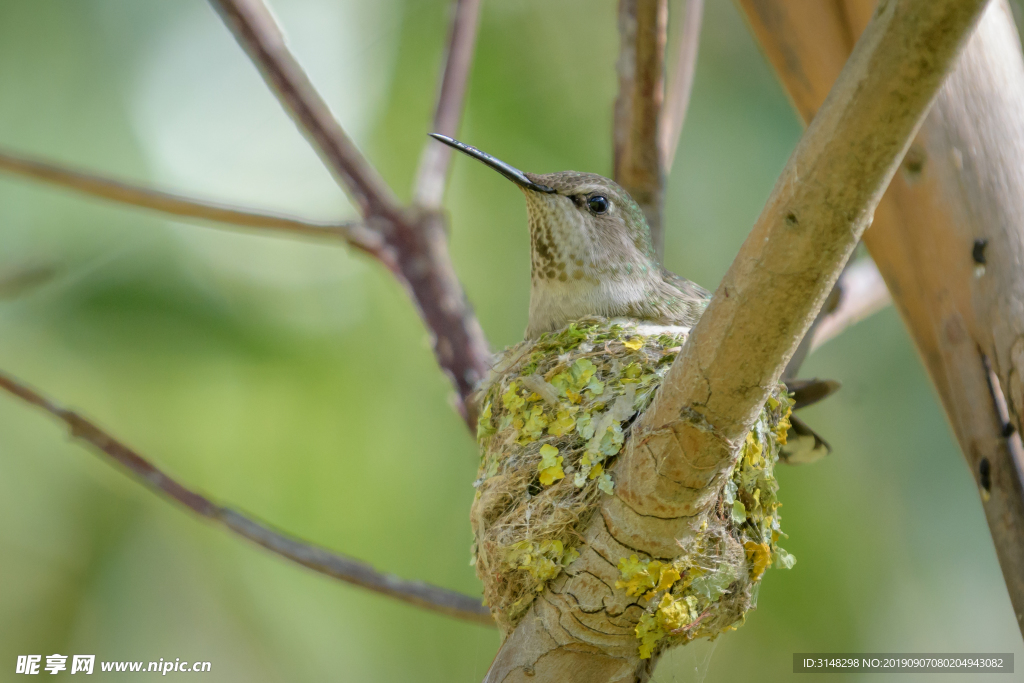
(677, 99)
(948, 237)
(257, 32)
(433, 169)
(643, 25)
(318, 559)
(187, 207)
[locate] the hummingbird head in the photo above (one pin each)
(591, 249)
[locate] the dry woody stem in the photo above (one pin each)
(187, 207)
(416, 238)
(436, 158)
(677, 98)
(410, 243)
(258, 33)
(318, 559)
(643, 27)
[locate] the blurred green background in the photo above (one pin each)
(270, 373)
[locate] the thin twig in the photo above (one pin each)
(188, 207)
(677, 99)
(318, 559)
(643, 25)
(433, 169)
(18, 279)
(862, 294)
(257, 32)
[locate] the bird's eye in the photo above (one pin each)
(598, 203)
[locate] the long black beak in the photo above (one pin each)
(510, 172)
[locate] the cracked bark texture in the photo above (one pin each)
(957, 201)
(685, 444)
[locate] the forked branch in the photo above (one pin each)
(411, 244)
(318, 559)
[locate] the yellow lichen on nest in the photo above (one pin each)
(711, 586)
(555, 413)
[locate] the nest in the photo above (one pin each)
(555, 412)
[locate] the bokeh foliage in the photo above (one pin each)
(294, 381)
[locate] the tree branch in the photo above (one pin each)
(643, 25)
(418, 238)
(257, 32)
(677, 100)
(318, 559)
(862, 293)
(187, 207)
(436, 158)
(674, 464)
(948, 237)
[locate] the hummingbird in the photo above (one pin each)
(592, 255)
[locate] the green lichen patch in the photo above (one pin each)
(555, 414)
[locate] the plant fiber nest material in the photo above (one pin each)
(555, 412)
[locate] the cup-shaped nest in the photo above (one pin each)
(555, 412)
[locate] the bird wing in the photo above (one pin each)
(691, 289)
